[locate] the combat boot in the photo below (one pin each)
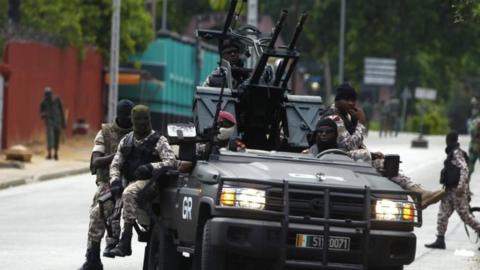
(93, 261)
(110, 245)
(439, 243)
(428, 197)
(124, 246)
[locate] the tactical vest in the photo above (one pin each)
(112, 134)
(136, 156)
(450, 174)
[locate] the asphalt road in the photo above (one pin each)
(44, 225)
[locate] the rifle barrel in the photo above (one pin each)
(231, 13)
(298, 30)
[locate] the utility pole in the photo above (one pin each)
(164, 14)
(342, 42)
(114, 55)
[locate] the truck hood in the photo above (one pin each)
(355, 175)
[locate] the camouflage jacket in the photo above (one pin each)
(163, 148)
(474, 129)
(106, 142)
(52, 112)
(345, 140)
(459, 161)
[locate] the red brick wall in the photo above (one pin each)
(78, 82)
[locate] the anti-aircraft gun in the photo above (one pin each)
(268, 116)
(270, 207)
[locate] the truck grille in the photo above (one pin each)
(310, 203)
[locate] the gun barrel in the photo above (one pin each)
(278, 28)
(298, 30)
(231, 13)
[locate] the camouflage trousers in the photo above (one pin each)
(402, 180)
(459, 203)
(96, 227)
(473, 156)
(131, 210)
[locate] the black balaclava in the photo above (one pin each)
(452, 141)
(142, 125)
(124, 111)
(322, 146)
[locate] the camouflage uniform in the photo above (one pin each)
(345, 139)
(457, 198)
(51, 111)
(106, 142)
(166, 157)
(474, 147)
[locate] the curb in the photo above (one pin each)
(42, 177)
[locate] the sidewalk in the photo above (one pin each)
(74, 158)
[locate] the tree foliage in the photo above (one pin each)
(88, 22)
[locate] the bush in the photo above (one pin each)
(434, 117)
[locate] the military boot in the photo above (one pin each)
(110, 245)
(124, 247)
(93, 261)
(427, 197)
(439, 243)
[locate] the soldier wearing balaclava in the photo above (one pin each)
(104, 149)
(139, 153)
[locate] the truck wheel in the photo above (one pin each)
(212, 258)
(162, 253)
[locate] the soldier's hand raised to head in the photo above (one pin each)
(358, 113)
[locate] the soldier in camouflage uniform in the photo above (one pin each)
(51, 110)
(105, 147)
(350, 133)
(455, 179)
(474, 147)
(139, 153)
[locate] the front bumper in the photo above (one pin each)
(263, 240)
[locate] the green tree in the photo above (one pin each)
(88, 22)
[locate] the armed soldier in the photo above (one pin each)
(454, 177)
(104, 149)
(51, 110)
(350, 131)
(139, 153)
(230, 51)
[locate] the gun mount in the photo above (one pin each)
(268, 117)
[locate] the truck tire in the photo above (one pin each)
(162, 253)
(212, 258)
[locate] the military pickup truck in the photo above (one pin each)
(271, 207)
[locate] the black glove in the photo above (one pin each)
(116, 188)
(144, 172)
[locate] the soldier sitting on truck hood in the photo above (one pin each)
(139, 153)
(325, 137)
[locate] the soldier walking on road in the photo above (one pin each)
(104, 149)
(454, 177)
(51, 111)
(474, 147)
(139, 153)
(350, 133)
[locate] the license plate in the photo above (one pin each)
(338, 243)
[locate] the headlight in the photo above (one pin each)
(395, 211)
(243, 198)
